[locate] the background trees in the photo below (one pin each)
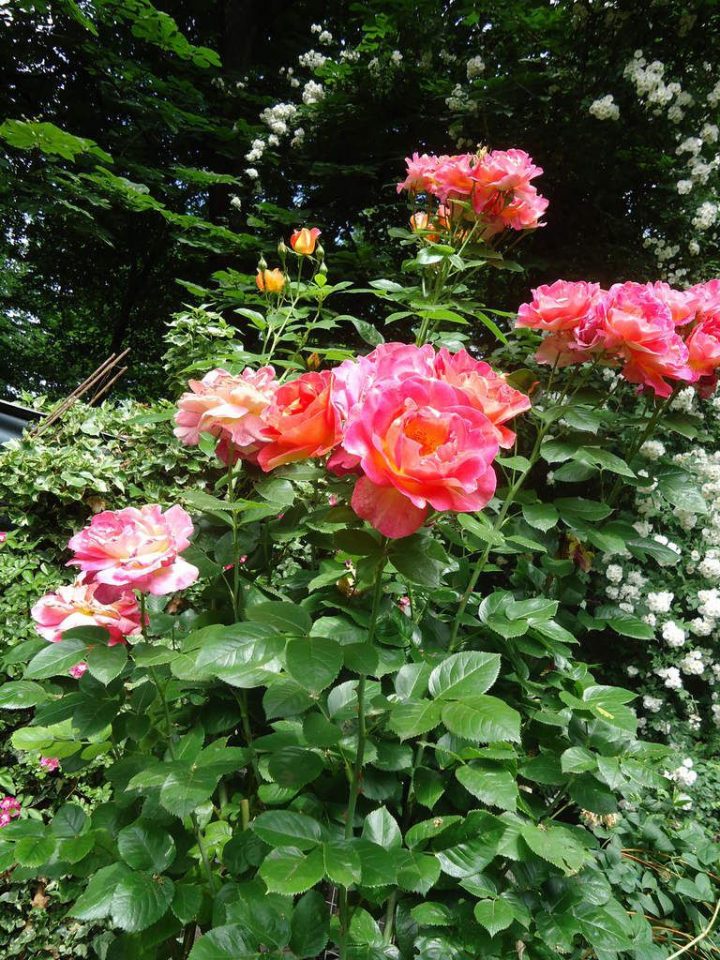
(158, 165)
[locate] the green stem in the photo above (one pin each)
(171, 749)
(390, 918)
(496, 527)
(357, 768)
(237, 595)
(242, 699)
(635, 448)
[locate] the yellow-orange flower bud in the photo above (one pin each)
(270, 281)
(304, 241)
(421, 221)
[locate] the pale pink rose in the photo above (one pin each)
(420, 173)
(420, 444)
(707, 297)
(79, 670)
(683, 304)
(51, 764)
(84, 604)
(228, 406)
(138, 548)
(639, 329)
(485, 389)
(558, 306)
(506, 170)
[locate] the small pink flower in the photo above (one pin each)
(333, 500)
(404, 604)
(242, 559)
(78, 670)
(3, 536)
(51, 764)
(137, 548)
(9, 810)
(83, 604)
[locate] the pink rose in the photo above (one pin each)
(137, 548)
(420, 174)
(703, 343)
(683, 304)
(559, 306)
(78, 671)
(639, 329)
(51, 764)
(420, 444)
(84, 604)
(229, 407)
(485, 389)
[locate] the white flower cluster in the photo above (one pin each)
(604, 108)
(312, 60)
(652, 449)
(313, 92)
(459, 101)
(685, 775)
(475, 67)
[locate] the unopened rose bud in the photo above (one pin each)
(282, 250)
(323, 268)
(304, 241)
(262, 263)
(320, 252)
(313, 361)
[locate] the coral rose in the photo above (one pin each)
(484, 388)
(301, 422)
(639, 329)
(703, 343)
(270, 281)
(137, 548)
(420, 444)
(84, 604)
(304, 241)
(229, 407)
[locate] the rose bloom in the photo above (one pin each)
(301, 422)
(229, 407)
(352, 380)
(420, 444)
(51, 764)
(270, 281)
(137, 548)
(485, 389)
(639, 328)
(420, 174)
(79, 670)
(304, 241)
(559, 306)
(683, 304)
(703, 343)
(87, 605)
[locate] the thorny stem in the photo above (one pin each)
(357, 768)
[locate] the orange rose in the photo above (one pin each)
(270, 281)
(301, 422)
(304, 241)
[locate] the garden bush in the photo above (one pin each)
(339, 675)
